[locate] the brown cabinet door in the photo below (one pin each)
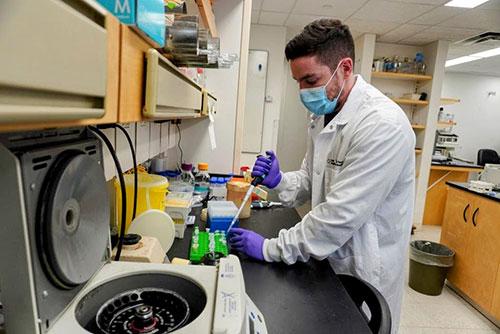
(132, 66)
(495, 305)
(455, 233)
(483, 251)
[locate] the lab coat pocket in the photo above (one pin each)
(331, 173)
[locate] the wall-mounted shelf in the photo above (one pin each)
(401, 76)
(418, 151)
(418, 126)
(442, 125)
(411, 102)
(207, 15)
(449, 100)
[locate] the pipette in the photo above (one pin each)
(258, 180)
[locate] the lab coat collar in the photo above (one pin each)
(351, 106)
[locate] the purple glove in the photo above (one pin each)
(269, 168)
(247, 242)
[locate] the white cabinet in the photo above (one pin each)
(122, 147)
(169, 94)
(53, 60)
(142, 142)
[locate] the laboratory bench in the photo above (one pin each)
(300, 298)
(442, 172)
(471, 227)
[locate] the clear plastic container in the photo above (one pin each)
(202, 181)
(178, 206)
(221, 214)
(187, 175)
(218, 191)
(221, 209)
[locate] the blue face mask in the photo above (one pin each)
(316, 100)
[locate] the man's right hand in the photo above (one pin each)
(269, 168)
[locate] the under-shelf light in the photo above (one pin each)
(465, 3)
(474, 56)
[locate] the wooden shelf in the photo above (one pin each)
(411, 102)
(401, 76)
(418, 126)
(442, 125)
(418, 151)
(449, 100)
(207, 15)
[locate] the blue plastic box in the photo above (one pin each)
(146, 15)
(221, 224)
(221, 214)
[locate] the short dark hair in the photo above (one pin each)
(328, 39)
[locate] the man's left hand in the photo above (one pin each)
(247, 242)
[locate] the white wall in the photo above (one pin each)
(223, 83)
(271, 39)
(294, 120)
(477, 115)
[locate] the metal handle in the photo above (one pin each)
(474, 216)
(25, 114)
(465, 212)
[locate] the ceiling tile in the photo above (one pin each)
(272, 18)
(438, 15)
(296, 20)
(449, 34)
(283, 6)
(255, 16)
(340, 9)
(369, 26)
(256, 4)
(475, 19)
(424, 2)
(402, 32)
(421, 40)
(387, 11)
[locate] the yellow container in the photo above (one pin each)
(236, 191)
(151, 193)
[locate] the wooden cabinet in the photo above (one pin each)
(437, 190)
(150, 86)
(65, 74)
(495, 306)
(132, 75)
(471, 227)
(455, 233)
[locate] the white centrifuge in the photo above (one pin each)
(56, 272)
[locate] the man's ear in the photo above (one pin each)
(347, 67)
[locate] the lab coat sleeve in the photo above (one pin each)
(295, 187)
(378, 151)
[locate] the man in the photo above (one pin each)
(358, 172)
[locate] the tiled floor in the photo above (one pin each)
(447, 313)
(444, 314)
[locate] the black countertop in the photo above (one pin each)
(455, 163)
(495, 196)
(301, 298)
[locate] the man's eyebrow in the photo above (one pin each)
(307, 76)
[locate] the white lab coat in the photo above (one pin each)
(359, 172)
